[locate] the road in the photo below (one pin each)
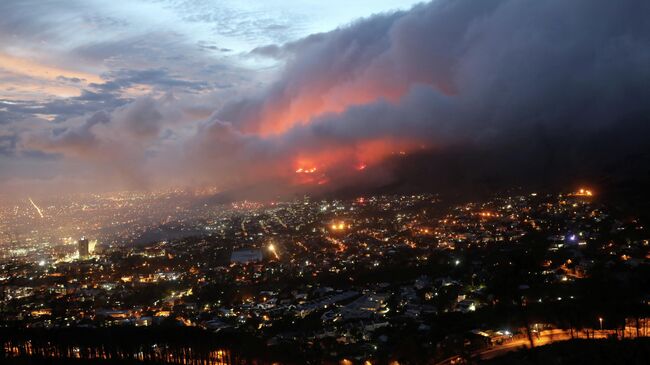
(544, 338)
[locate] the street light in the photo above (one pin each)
(273, 251)
(600, 319)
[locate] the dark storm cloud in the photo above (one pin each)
(549, 89)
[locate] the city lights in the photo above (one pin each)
(248, 247)
(236, 182)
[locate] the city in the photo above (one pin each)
(337, 279)
(309, 182)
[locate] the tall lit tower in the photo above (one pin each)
(83, 246)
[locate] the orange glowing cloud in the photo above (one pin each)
(34, 69)
(318, 98)
(38, 79)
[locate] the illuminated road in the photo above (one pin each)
(40, 213)
(544, 338)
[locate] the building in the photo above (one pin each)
(246, 256)
(83, 246)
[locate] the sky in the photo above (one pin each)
(279, 97)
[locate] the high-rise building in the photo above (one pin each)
(83, 247)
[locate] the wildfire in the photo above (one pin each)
(303, 170)
(584, 192)
(338, 163)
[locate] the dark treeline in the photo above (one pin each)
(175, 345)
